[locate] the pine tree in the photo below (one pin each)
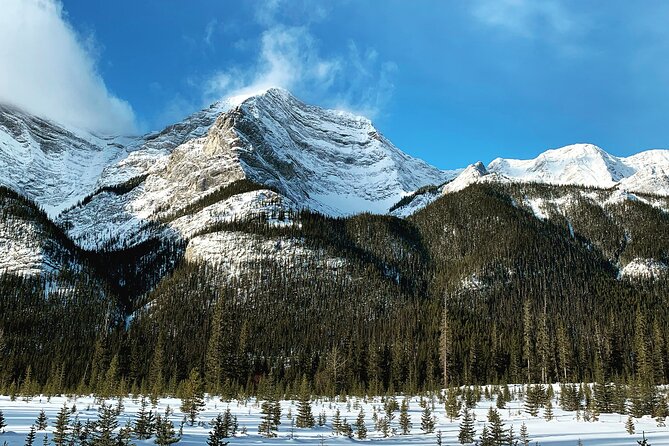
(267, 426)
(498, 434)
(336, 423)
(629, 425)
(30, 438)
(360, 427)
(548, 413)
(192, 402)
(524, 435)
(452, 404)
(105, 426)
(156, 377)
(143, 421)
(41, 421)
(485, 439)
(218, 433)
(427, 421)
(213, 360)
(3, 423)
(109, 386)
(165, 434)
(533, 399)
(346, 428)
(60, 434)
(405, 420)
(467, 431)
(305, 418)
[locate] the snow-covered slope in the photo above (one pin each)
(589, 165)
(52, 165)
(306, 157)
(28, 245)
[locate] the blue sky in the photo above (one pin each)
(450, 82)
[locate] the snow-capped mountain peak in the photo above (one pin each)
(579, 164)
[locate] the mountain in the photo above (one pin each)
(584, 165)
(268, 230)
(588, 165)
(52, 165)
(297, 156)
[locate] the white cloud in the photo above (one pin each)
(209, 31)
(48, 70)
(291, 58)
(526, 18)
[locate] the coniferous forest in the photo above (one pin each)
(473, 289)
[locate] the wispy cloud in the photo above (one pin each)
(291, 57)
(547, 19)
(209, 31)
(53, 71)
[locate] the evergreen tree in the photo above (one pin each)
(405, 420)
(213, 360)
(305, 418)
(218, 433)
(61, 427)
(485, 439)
(360, 427)
(267, 427)
(498, 434)
(143, 421)
(629, 425)
(41, 422)
(452, 404)
(426, 420)
(534, 397)
(336, 423)
(467, 431)
(165, 434)
(30, 438)
(548, 413)
(3, 423)
(524, 435)
(192, 402)
(105, 426)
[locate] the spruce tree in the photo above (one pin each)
(533, 399)
(426, 420)
(41, 422)
(105, 426)
(336, 423)
(192, 402)
(524, 435)
(405, 420)
(267, 427)
(498, 434)
(452, 404)
(61, 427)
(30, 438)
(360, 427)
(213, 360)
(305, 418)
(165, 434)
(548, 412)
(3, 423)
(143, 421)
(467, 431)
(629, 425)
(218, 432)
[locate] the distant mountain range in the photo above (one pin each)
(263, 154)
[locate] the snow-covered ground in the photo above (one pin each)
(565, 429)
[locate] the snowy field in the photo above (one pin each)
(565, 429)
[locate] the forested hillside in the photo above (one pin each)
(481, 286)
